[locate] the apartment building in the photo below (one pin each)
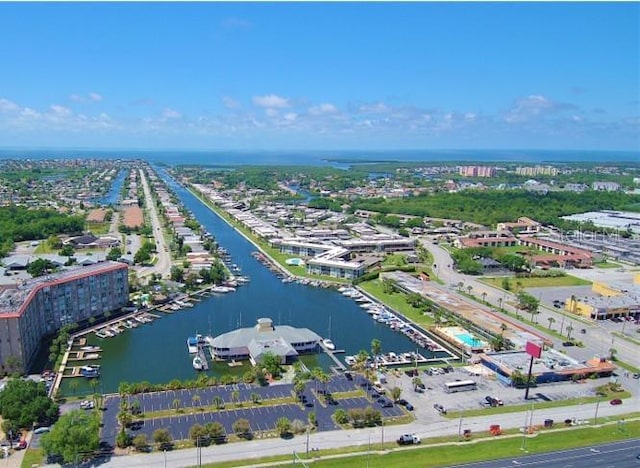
(39, 307)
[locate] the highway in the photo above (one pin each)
(617, 454)
(593, 339)
(435, 427)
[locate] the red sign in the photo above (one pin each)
(533, 349)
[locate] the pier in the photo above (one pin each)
(331, 354)
(203, 357)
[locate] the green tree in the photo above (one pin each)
(215, 431)
(67, 251)
(162, 437)
(114, 254)
(242, 428)
(197, 433)
(271, 362)
(40, 267)
(176, 404)
(218, 402)
(283, 426)
(376, 347)
(395, 393)
(551, 321)
(141, 442)
(235, 396)
(416, 382)
(75, 433)
(340, 416)
(25, 402)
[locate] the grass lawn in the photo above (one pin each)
(451, 452)
(540, 405)
(538, 282)
(606, 264)
(395, 260)
(32, 457)
(396, 301)
(498, 448)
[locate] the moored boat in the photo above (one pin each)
(328, 344)
(197, 363)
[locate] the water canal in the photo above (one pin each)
(157, 352)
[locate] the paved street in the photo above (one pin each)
(597, 338)
(163, 265)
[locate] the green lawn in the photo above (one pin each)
(450, 451)
(32, 457)
(538, 282)
(606, 264)
(396, 301)
(540, 405)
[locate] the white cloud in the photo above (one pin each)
(8, 106)
(323, 109)
(230, 103)
(168, 113)
(375, 108)
(91, 97)
(271, 101)
(60, 111)
(271, 112)
(534, 106)
(290, 116)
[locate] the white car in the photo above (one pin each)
(42, 430)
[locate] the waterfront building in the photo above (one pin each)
(39, 307)
(378, 243)
(253, 343)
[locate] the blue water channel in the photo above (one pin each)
(157, 352)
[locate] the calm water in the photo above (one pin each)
(114, 193)
(158, 352)
(325, 158)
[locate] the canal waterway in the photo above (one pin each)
(157, 352)
(114, 192)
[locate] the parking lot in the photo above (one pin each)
(261, 418)
(434, 392)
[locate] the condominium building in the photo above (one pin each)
(477, 171)
(39, 307)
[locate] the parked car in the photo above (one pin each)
(409, 406)
(408, 439)
(385, 402)
(42, 430)
(21, 445)
(568, 343)
(439, 408)
(616, 402)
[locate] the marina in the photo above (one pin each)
(161, 346)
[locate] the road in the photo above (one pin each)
(618, 454)
(595, 335)
(163, 265)
(362, 437)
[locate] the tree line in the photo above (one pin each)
(492, 207)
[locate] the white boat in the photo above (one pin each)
(192, 343)
(350, 360)
(328, 344)
(197, 363)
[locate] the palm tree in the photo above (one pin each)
(235, 396)
(469, 289)
(218, 402)
(612, 353)
(484, 297)
(569, 330)
(551, 321)
(195, 400)
(376, 347)
(255, 398)
(503, 328)
(500, 303)
(176, 404)
(460, 286)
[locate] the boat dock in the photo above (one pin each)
(331, 354)
(203, 357)
(84, 355)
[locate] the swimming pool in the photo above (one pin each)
(470, 340)
(294, 261)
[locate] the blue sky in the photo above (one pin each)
(320, 76)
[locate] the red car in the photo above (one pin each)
(616, 401)
(21, 445)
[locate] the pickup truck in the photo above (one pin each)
(408, 439)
